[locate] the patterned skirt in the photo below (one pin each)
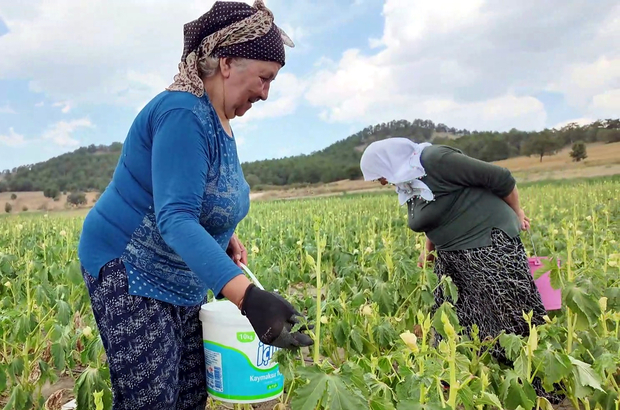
(495, 287)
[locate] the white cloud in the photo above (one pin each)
(6, 109)
(476, 64)
(66, 106)
(578, 121)
(580, 82)
(13, 139)
(81, 58)
(40, 104)
(61, 132)
(607, 103)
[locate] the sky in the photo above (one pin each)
(75, 73)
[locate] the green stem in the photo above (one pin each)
(570, 330)
(319, 285)
(404, 304)
(453, 383)
(569, 278)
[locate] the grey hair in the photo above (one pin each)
(208, 66)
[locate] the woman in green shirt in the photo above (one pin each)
(469, 210)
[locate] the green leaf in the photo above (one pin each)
(381, 403)
(408, 404)
(489, 399)
(605, 363)
(427, 297)
(450, 290)
(512, 344)
(555, 367)
(341, 333)
(463, 362)
(353, 374)
(585, 378)
(310, 260)
(606, 400)
(57, 332)
(466, 396)
(555, 279)
(19, 399)
(340, 398)
(357, 341)
(520, 365)
(91, 381)
(613, 298)
(409, 389)
(385, 366)
(41, 296)
(584, 305)
(384, 296)
(58, 354)
(544, 404)
(3, 379)
(550, 265)
(64, 312)
(24, 325)
(74, 273)
(446, 308)
(520, 395)
(93, 349)
(384, 334)
(17, 366)
(358, 300)
(380, 393)
(327, 389)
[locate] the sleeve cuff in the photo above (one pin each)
(223, 279)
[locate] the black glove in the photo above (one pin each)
(272, 317)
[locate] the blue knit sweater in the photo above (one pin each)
(176, 197)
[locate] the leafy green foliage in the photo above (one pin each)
(327, 390)
(378, 340)
(91, 381)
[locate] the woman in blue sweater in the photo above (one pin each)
(162, 233)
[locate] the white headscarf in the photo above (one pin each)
(398, 161)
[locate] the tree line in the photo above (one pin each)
(91, 168)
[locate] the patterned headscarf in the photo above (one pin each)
(229, 29)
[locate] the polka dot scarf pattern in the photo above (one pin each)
(229, 29)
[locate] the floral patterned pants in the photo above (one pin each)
(154, 349)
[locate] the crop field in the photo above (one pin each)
(373, 329)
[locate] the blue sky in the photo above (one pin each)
(76, 73)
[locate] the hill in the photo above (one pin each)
(603, 160)
(90, 168)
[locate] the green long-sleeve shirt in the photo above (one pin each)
(468, 200)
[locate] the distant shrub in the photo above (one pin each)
(76, 198)
(51, 192)
(579, 151)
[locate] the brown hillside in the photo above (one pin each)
(36, 201)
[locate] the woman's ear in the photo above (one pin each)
(225, 66)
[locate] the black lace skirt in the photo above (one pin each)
(495, 287)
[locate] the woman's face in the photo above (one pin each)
(246, 82)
